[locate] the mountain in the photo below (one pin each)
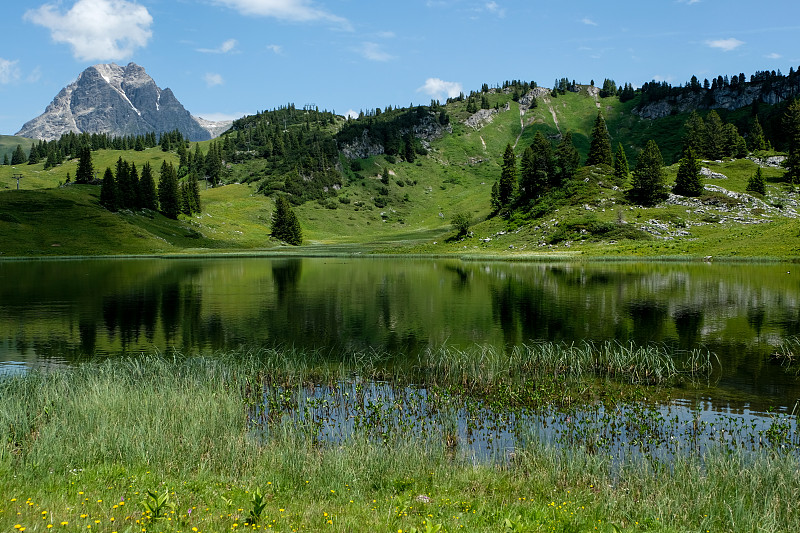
(117, 100)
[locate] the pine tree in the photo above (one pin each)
(791, 125)
(567, 161)
(409, 152)
(85, 172)
(715, 136)
(508, 176)
(648, 176)
(756, 183)
(688, 181)
(168, 191)
(600, 147)
(285, 226)
(495, 198)
(108, 191)
(621, 169)
(695, 137)
(126, 196)
(18, 157)
(755, 141)
(6, 161)
(194, 193)
(148, 197)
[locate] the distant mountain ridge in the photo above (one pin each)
(108, 98)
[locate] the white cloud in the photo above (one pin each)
(276, 48)
(224, 48)
(588, 21)
(726, 45)
(351, 114)
(773, 55)
(435, 88)
(292, 10)
(494, 7)
(690, 2)
(9, 71)
(373, 52)
(96, 29)
(213, 79)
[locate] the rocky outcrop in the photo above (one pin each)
(117, 100)
(362, 148)
(726, 98)
(426, 130)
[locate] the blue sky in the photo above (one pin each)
(227, 58)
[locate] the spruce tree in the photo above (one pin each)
(567, 161)
(508, 176)
(648, 176)
(124, 185)
(148, 197)
(756, 183)
(600, 147)
(688, 181)
(791, 125)
(168, 191)
(18, 157)
(695, 136)
(755, 141)
(409, 153)
(495, 198)
(621, 169)
(85, 172)
(108, 191)
(285, 225)
(6, 161)
(194, 193)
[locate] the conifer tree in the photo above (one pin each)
(695, 137)
(791, 125)
(285, 225)
(715, 136)
(409, 153)
(168, 191)
(85, 172)
(148, 198)
(508, 177)
(600, 147)
(688, 181)
(755, 141)
(621, 169)
(18, 157)
(194, 193)
(567, 161)
(6, 161)
(756, 183)
(108, 191)
(495, 198)
(648, 176)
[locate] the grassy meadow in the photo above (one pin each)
(412, 213)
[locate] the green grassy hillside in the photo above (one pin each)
(411, 211)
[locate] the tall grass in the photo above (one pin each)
(75, 441)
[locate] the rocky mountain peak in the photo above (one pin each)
(108, 98)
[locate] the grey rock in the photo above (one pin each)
(108, 98)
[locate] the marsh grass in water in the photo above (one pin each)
(80, 447)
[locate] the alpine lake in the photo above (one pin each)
(726, 332)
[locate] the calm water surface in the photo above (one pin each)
(57, 312)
